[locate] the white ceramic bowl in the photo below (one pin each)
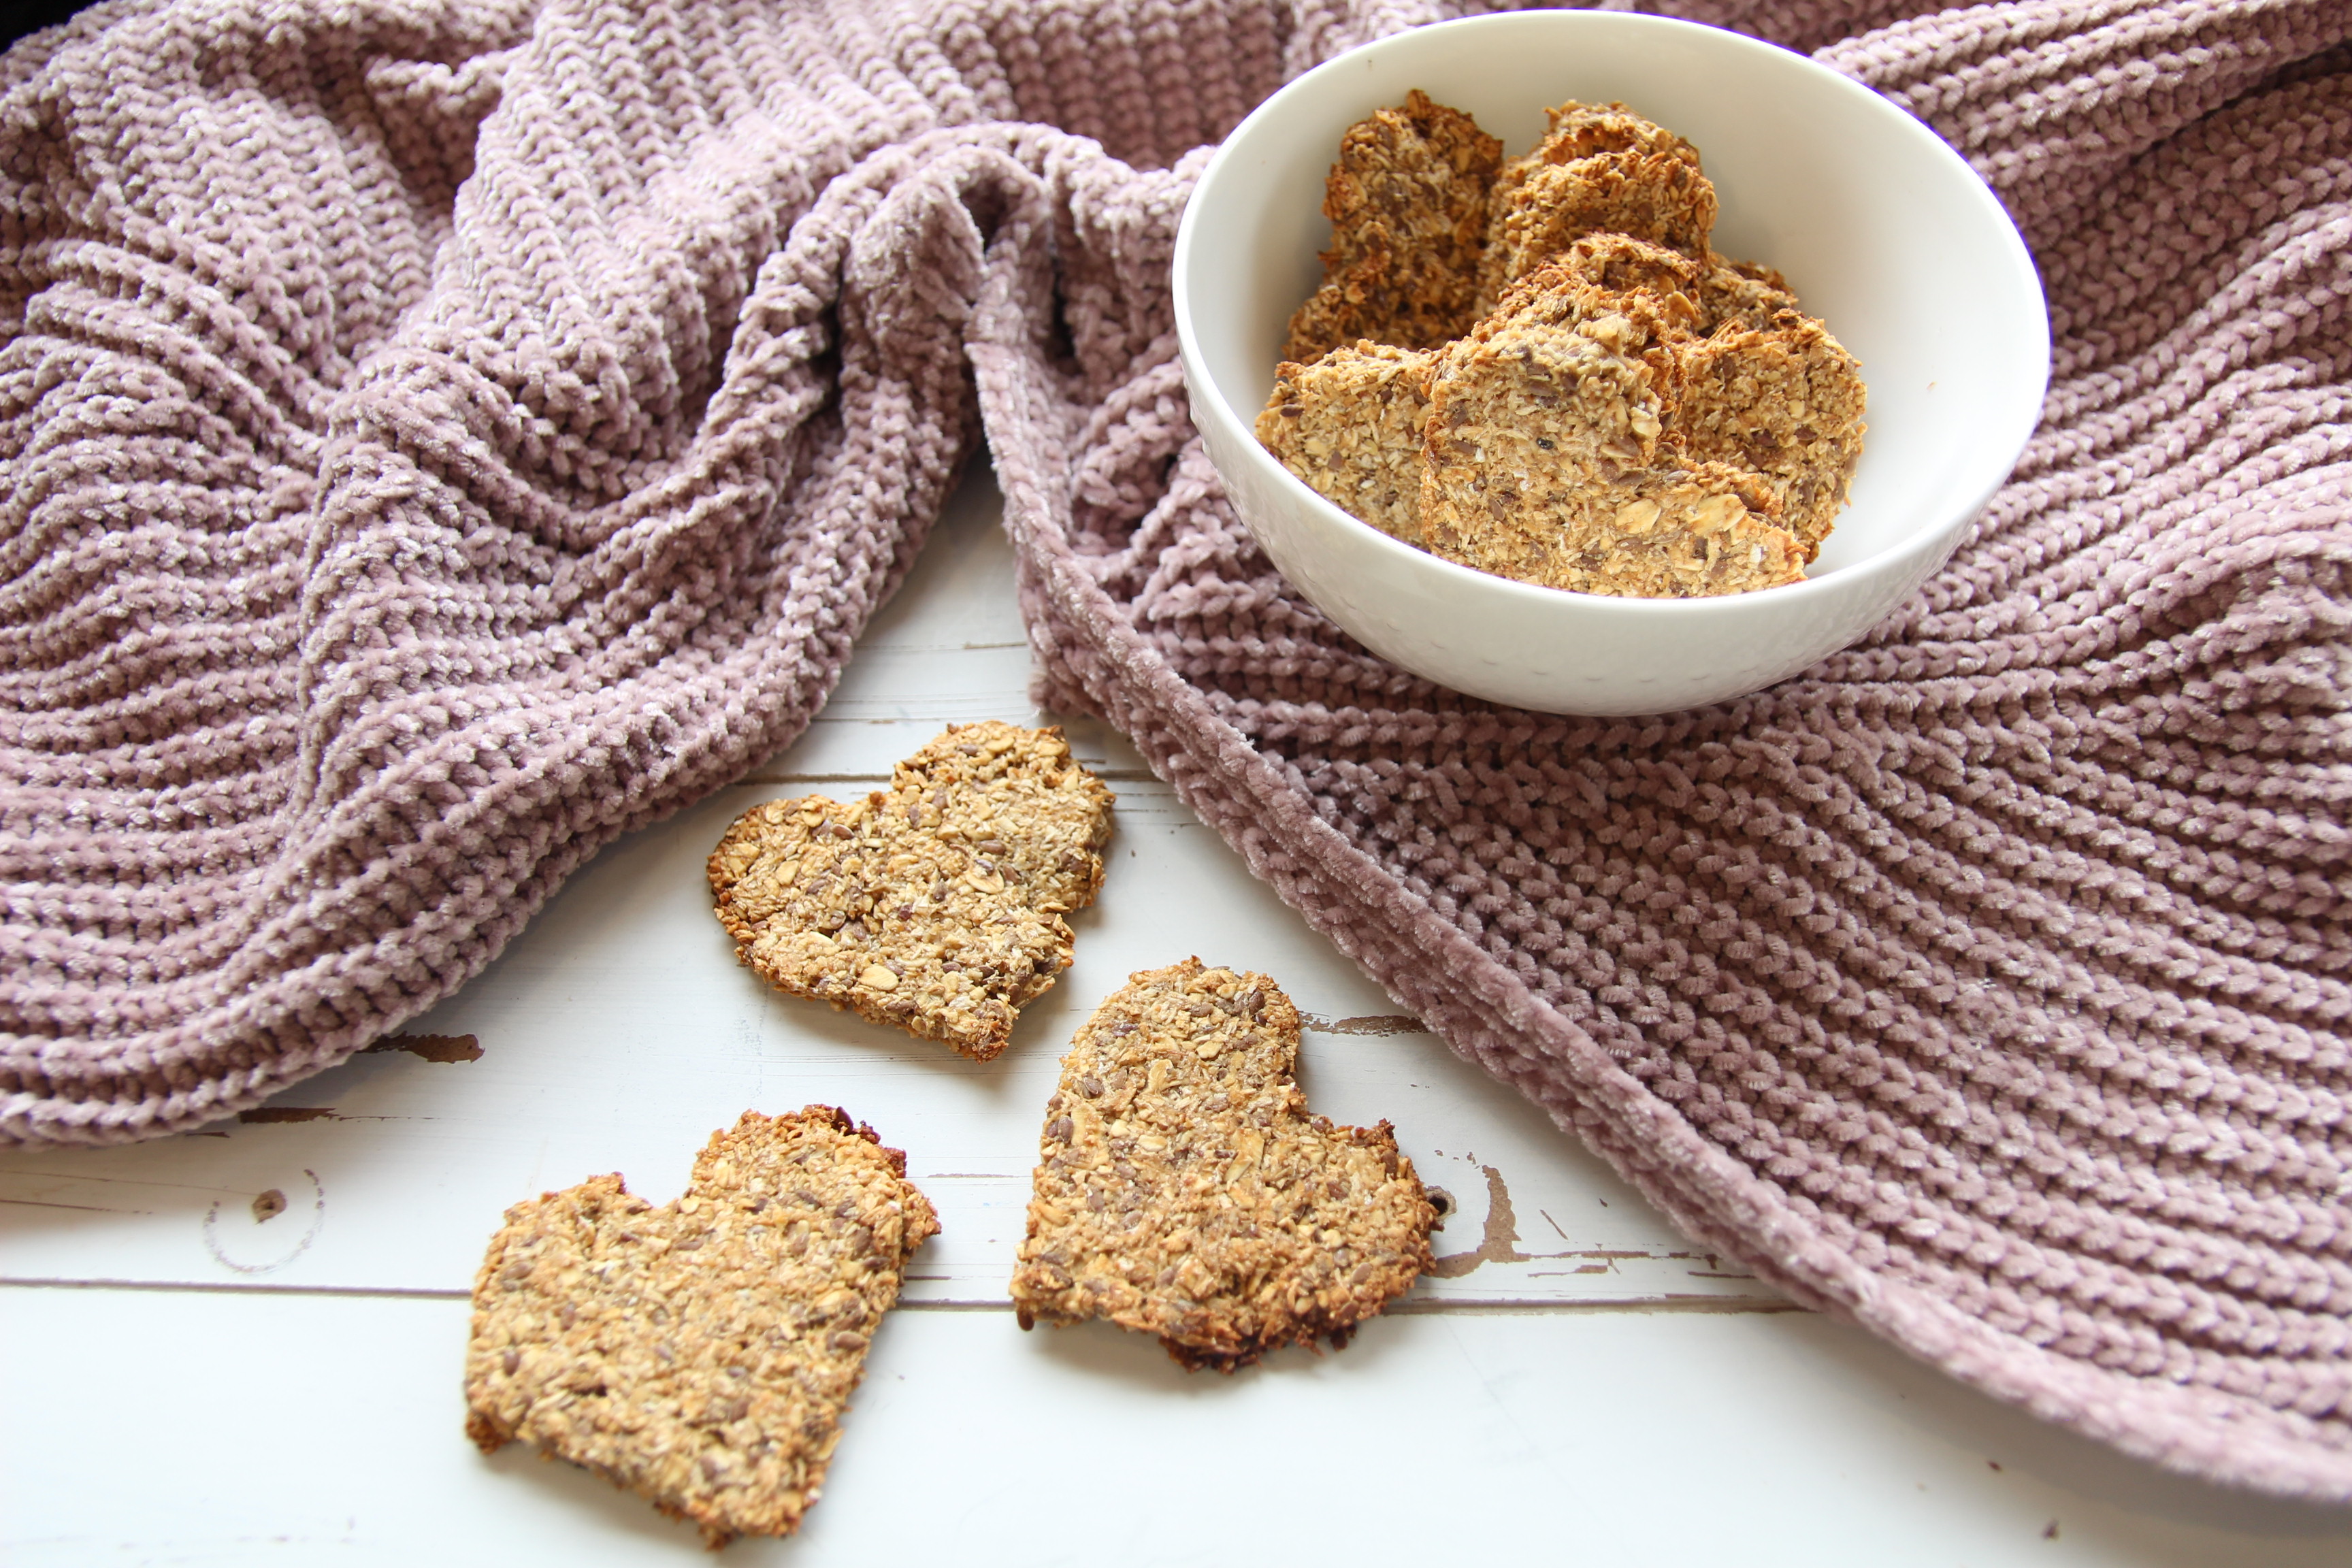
(1884, 232)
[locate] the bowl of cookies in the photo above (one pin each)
(1602, 363)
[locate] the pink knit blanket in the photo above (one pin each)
(439, 437)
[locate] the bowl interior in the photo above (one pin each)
(1884, 232)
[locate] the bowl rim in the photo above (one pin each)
(1909, 555)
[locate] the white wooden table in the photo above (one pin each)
(243, 1344)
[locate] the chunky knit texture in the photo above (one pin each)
(439, 437)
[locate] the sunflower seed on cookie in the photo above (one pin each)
(1184, 1191)
(935, 906)
(699, 1355)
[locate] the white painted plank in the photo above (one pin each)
(618, 1031)
(240, 1428)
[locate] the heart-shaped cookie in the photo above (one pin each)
(1184, 1191)
(934, 906)
(699, 1355)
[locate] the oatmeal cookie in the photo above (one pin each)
(1600, 168)
(1568, 385)
(1784, 401)
(1547, 457)
(1351, 426)
(1671, 533)
(1183, 1190)
(1407, 202)
(1754, 383)
(934, 906)
(1573, 131)
(699, 1355)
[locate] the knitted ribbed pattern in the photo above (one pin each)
(439, 437)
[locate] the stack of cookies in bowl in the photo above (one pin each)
(1539, 367)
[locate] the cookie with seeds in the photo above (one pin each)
(1546, 456)
(1574, 132)
(1568, 385)
(1784, 401)
(1600, 168)
(1664, 201)
(1183, 1190)
(1407, 202)
(935, 906)
(1351, 426)
(699, 1355)
(1755, 383)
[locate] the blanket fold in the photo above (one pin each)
(439, 437)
